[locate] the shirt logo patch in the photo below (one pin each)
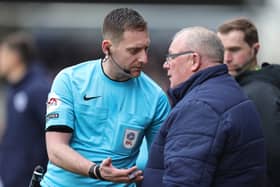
(53, 102)
(52, 116)
(130, 138)
(86, 98)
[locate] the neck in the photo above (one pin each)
(112, 71)
(209, 63)
(254, 66)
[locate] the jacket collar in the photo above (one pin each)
(177, 93)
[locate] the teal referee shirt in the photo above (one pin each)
(108, 118)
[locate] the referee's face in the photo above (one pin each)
(131, 52)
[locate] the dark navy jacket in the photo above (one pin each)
(212, 137)
(23, 144)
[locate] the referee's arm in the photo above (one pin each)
(62, 155)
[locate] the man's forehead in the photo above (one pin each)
(135, 38)
(234, 34)
(234, 38)
(177, 44)
(130, 33)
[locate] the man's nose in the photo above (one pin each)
(143, 57)
(227, 57)
(165, 65)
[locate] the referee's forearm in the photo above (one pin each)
(62, 155)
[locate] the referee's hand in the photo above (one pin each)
(110, 173)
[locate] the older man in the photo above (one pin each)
(212, 136)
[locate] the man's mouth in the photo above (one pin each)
(137, 69)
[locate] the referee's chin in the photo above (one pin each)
(135, 74)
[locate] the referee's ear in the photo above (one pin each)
(106, 44)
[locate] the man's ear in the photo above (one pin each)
(256, 47)
(106, 44)
(196, 63)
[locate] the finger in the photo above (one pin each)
(115, 173)
(126, 172)
(131, 170)
(135, 174)
(137, 179)
(127, 180)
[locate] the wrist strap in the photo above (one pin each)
(92, 172)
(98, 173)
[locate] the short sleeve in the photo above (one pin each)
(60, 102)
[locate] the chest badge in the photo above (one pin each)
(130, 138)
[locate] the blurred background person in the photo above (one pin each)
(262, 84)
(23, 144)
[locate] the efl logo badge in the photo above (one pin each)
(130, 138)
(53, 102)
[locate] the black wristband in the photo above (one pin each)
(91, 171)
(98, 174)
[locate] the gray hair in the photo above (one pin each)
(203, 41)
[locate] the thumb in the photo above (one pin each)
(107, 162)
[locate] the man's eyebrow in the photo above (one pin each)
(233, 48)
